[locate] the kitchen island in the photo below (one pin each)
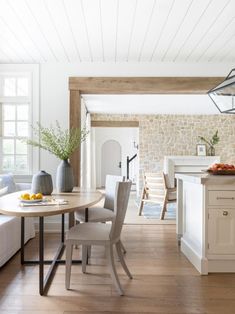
(206, 221)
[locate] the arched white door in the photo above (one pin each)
(110, 159)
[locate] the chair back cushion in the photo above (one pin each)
(120, 206)
(110, 188)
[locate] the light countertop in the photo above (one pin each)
(205, 178)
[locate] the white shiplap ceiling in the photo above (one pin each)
(39, 31)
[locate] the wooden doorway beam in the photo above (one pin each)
(143, 85)
(75, 122)
(115, 124)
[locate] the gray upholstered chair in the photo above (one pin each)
(108, 235)
(105, 213)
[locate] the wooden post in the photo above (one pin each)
(75, 121)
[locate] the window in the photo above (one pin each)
(15, 121)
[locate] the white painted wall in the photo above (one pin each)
(125, 137)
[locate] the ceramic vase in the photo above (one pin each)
(42, 183)
(64, 177)
(211, 151)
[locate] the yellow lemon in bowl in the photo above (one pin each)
(25, 196)
(39, 196)
(33, 197)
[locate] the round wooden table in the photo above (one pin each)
(10, 205)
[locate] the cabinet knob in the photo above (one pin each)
(225, 213)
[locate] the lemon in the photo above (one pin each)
(25, 196)
(39, 196)
(33, 196)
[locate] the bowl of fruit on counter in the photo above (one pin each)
(221, 169)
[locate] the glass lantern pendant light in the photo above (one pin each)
(223, 94)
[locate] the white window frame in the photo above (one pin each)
(32, 71)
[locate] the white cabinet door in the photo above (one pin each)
(221, 231)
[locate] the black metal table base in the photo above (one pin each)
(44, 283)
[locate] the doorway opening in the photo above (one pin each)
(111, 154)
(113, 146)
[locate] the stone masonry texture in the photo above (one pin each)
(164, 135)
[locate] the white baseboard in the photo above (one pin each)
(204, 265)
(201, 264)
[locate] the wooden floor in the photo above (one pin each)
(164, 281)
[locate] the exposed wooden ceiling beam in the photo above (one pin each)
(143, 85)
(115, 124)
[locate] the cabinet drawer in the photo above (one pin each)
(226, 198)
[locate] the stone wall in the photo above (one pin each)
(162, 135)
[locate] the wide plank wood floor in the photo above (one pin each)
(164, 281)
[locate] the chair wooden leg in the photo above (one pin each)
(141, 207)
(141, 202)
(113, 271)
(69, 253)
(122, 247)
(122, 261)
(84, 257)
(163, 211)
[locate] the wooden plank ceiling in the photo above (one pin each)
(37, 31)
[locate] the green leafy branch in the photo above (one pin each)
(213, 141)
(59, 142)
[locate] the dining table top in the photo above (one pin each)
(54, 204)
